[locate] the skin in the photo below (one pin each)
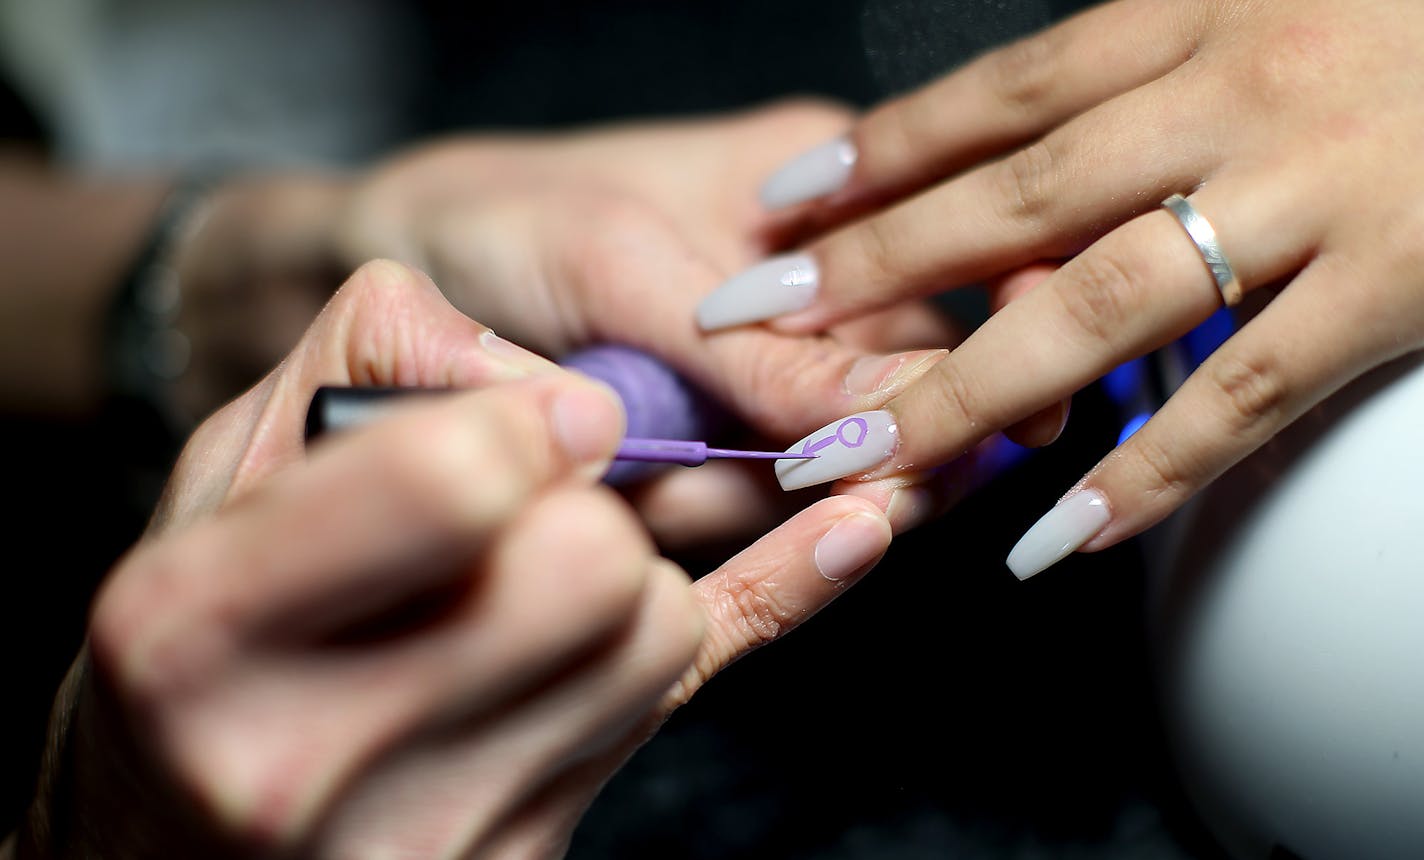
(558, 242)
(529, 233)
(1295, 128)
(355, 651)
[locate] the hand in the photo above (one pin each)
(255, 263)
(436, 635)
(1295, 129)
(612, 236)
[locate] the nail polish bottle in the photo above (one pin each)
(660, 403)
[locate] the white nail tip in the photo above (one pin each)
(814, 173)
(768, 289)
(1069, 525)
(843, 448)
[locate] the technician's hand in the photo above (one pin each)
(611, 236)
(435, 636)
(1293, 128)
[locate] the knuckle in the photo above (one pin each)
(1022, 74)
(1027, 187)
(1164, 472)
(756, 610)
(1252, 390)
(1099, 295)
(156, 631)
(878, 252)
(380, 282)
(1278, 69)
(956, 397)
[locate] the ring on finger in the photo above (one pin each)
(1204, 236)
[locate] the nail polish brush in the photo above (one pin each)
(339, 407)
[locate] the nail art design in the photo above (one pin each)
(769, 289)
(814, 173)
(1070, 524)
(846, 447)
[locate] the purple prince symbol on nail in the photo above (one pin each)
(840, 436)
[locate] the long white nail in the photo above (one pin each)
(1070, 524)
(811, 174)
(768, 289)
(843, 448)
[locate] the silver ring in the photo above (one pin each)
(1204, 236)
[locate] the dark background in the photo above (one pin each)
(941, 709)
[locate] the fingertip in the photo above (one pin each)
(588, 421)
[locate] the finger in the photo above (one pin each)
(1043, 427)
(1253, 386)
(909, 326)
(1002, 99)
(712, 506)
(781, 580)
(387, 325)
(560, 582)
(455, 790)
(911, 499)
(267, 739)
(1047, 200)
(381, 512)
(776, 383)
(1140, 287)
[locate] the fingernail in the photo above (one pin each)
(877, 374)
(1071, 523)
(588, 423)
(513, 353)
(851, 546)
(811, 174)
(846, 447)
(768, 289)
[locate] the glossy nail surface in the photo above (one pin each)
(1071, 523)
(814, 173)
(851, 546)
(769, 289)
(843, 448)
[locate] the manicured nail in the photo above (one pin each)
(886, 374)
(1071, 523)
(846, 447)
(811, 174)
(851, 546)
(768, 289)
(588, 423)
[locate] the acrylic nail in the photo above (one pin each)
(849, 446)
(887, 374)
(769, 289)
(851, 546)
(1070, 524)
(815, 173)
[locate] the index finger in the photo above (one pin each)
(379, 513)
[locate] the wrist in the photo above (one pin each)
(145, 352)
